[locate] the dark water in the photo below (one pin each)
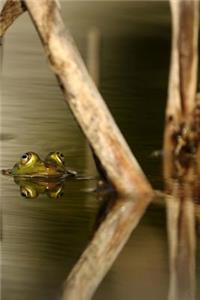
(43, 237)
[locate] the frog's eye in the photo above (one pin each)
(25, 158)
(28, 192)
(58, 194)
(61, 156)
(24, 193)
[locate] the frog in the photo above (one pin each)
(47, 176)
(31, 165)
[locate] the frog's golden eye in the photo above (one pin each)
(28, 192)
(57, 194)
(60, 195)
(61, 156)
(24, 193)
(25, 158)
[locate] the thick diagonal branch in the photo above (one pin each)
(85, 101)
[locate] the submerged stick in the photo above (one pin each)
(108, 241)
(85, 101)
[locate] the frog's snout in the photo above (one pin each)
(6, 172)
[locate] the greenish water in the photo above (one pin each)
(43, 237)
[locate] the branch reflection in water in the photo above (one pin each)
(106, 244)
(182, 178)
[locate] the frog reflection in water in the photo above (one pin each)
(32, 188)
(30, 165)
(36, 176)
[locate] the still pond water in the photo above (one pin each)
(44, 237)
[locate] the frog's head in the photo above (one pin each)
(29, 163)
(56, 158)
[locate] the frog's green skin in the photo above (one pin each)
(30, 165)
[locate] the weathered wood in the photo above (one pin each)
(182, 177)
(85, 101)
(108, 241)
(197, 124)
(11, 10)
(184, 59)
(183, 72)
(182, 191)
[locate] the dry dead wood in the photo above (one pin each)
(180, 131)
(85, 101)
(184, 57)
(11, 10)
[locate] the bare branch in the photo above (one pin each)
(85, 101)
(184, 58)
(180, 132)
(11, 10)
